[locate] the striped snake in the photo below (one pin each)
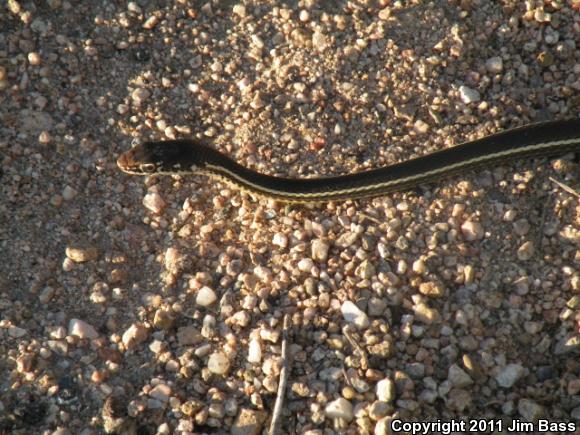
(191, 157)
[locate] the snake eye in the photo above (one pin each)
(147, 167)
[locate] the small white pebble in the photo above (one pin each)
(205, 297)
(354, 314)
(280, 240)
(320, 250)
(82, 329)
(386, 390)
(134, 335)
(472, 231)
(339, 408)
(154, 202)
(239, 10)
(270, 335)
(140, 95)
(305, 265)
(255, 351)
(218, 363)
(468, 95)
(161, 392)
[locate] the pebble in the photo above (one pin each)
(154, 202)
(567, 344)
(530, 410)
(136, 334)
(458, 377)
(82, 329)
(34, 58)
(459, 399)
(365, 270)
(494, 65)
(16, 332)
(255, 351)
(264, 274)
(140, 95)
(150, 22)
(271, 335)
(257, 101)
(526, 251)
(346, 239)
(25, 363)
(68, 193)
(425, 314)
(305, 265)
(81, 254)
(472, 231)
(432, 289)
(218, 363)
(280, 240)
(320, 250)
(188, 335)
(376, 306)
(510, 374)
(385, 390)
(420, 127)
(468, 95)
(521, 227)
(383, 426)
(173, 259)
(205, 297)
(415, 370)
(161, 392)
(379, 409)
(339, 408)
(319, 41)
(248, 422)
(354, 314)
(239, 10)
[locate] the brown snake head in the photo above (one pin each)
(165, 157)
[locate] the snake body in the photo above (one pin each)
(191, 157)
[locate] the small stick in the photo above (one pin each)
(275, 423)
(540, 231)
(564, 187)
(364, 362)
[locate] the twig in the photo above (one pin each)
(540, 231)
(371, 218)
(564, 187)
(275, 423)
(364, 362)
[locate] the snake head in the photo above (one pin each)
(164, 157)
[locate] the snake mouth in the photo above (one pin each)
(124, 162)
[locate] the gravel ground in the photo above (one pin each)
(132, 305)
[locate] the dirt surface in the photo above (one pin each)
(155, 305)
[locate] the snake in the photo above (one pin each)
(190, 156)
